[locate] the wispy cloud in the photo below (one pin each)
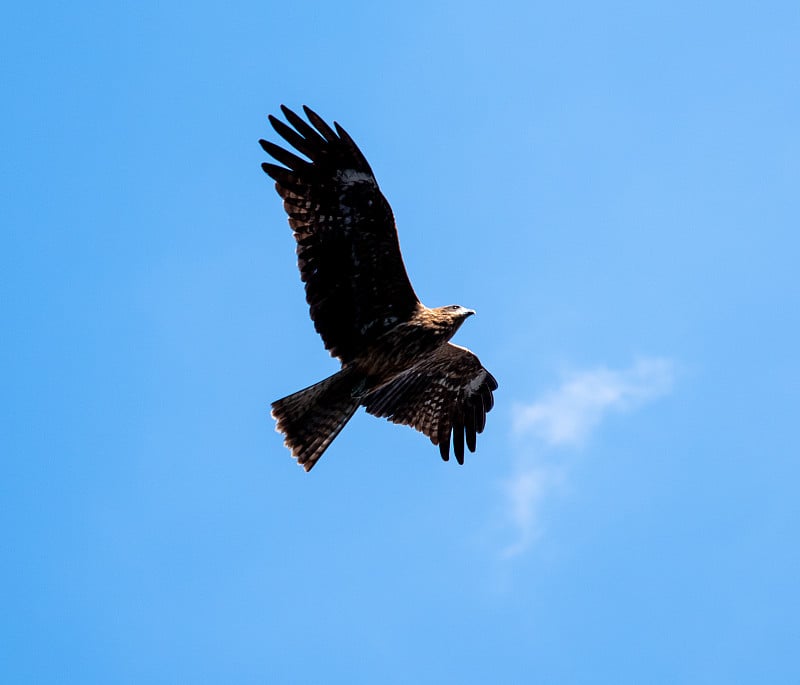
(565, 418)
(567, 415)
(525, 492)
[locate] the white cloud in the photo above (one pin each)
(566, 417)
(524, 495)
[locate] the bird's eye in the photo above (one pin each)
(453, 306)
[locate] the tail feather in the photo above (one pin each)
(310, 419)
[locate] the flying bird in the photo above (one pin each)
(397, 361)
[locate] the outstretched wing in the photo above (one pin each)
(347, 247)
(446, 394)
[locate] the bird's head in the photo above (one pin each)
(453, 315)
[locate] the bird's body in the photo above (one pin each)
(396, 357)
(406, 342)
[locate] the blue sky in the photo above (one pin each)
(612, 187)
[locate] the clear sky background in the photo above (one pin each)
(612, 186)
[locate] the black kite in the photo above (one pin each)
(395, 355)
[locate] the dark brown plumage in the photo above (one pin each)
(396, 358)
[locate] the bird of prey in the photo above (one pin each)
(397, 361)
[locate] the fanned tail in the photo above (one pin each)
(310, 419)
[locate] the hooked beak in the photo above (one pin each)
(469, 312)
